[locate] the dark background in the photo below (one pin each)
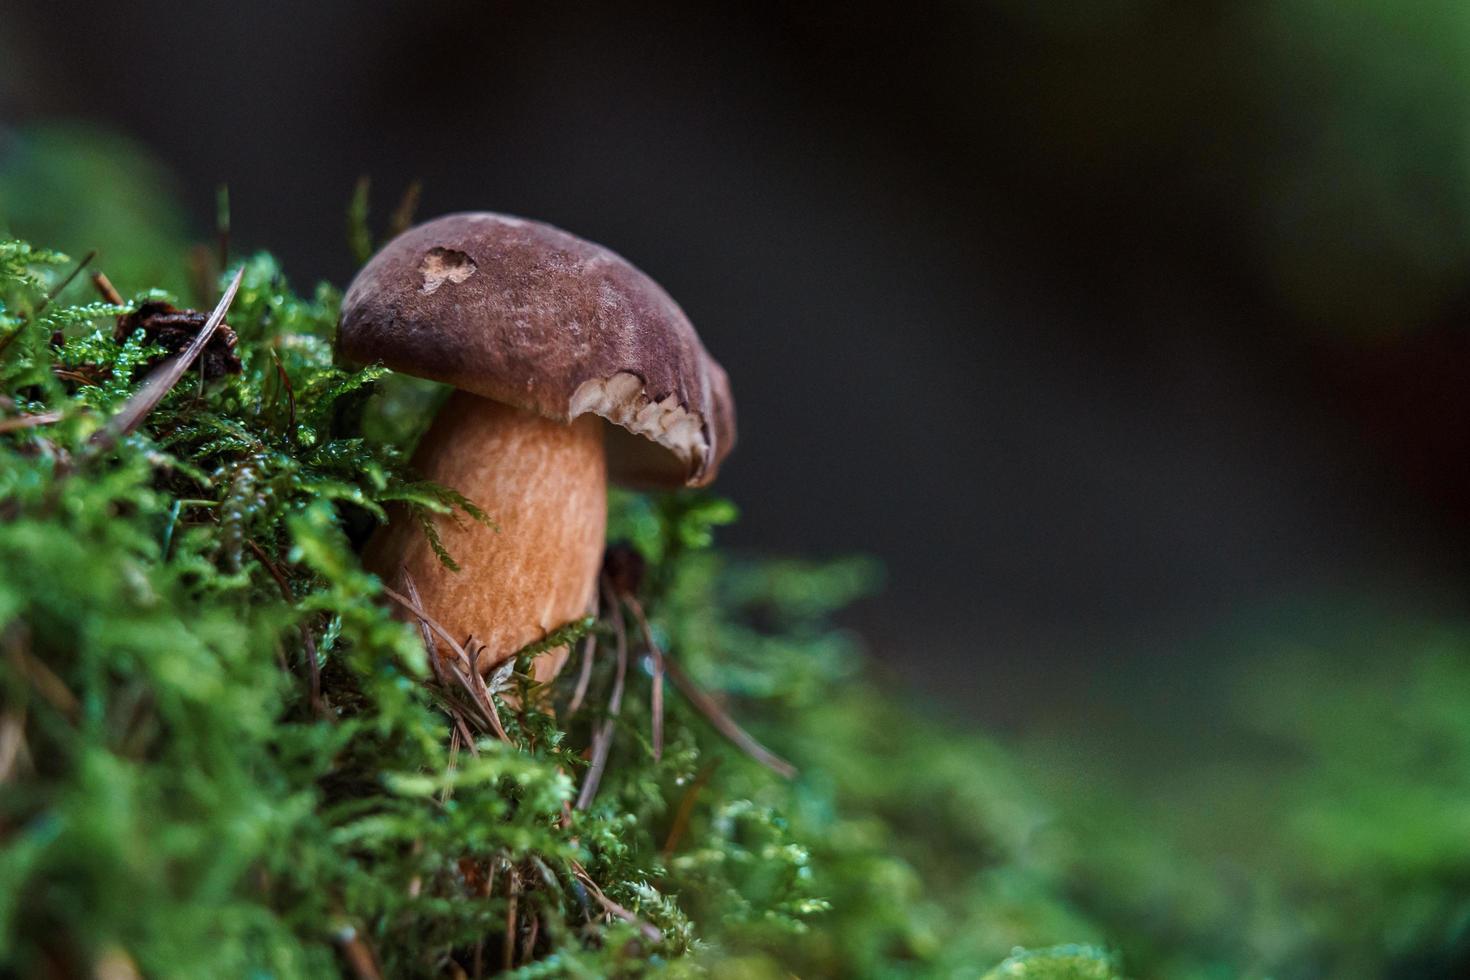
(1106, 328)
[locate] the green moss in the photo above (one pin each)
(81, 188)
(173, 799)
(176, 798)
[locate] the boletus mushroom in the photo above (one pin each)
(570, 367)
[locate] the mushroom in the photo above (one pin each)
(543, 335)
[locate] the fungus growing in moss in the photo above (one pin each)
(539, 332)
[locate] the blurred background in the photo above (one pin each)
(1105, 329)
(1129, 335)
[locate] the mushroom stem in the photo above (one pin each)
(545, 485)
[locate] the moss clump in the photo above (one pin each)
(174, 799)
(222, 756)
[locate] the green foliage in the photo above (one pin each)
(80, 188)
(1311, 822)
(174, 800)
(178, 800)
(1058, 963)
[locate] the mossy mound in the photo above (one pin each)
(179, 797)
(223, 756)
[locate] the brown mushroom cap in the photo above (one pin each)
(528, 315)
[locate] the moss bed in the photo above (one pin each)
(221, 754)
(180, 801)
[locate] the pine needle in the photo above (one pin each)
(165, 376)
(726, 725)
(464, 669)
(86, 260)
(313, 668)
(29, 421)
(589, 656)
(602, 740)
(657, 696)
